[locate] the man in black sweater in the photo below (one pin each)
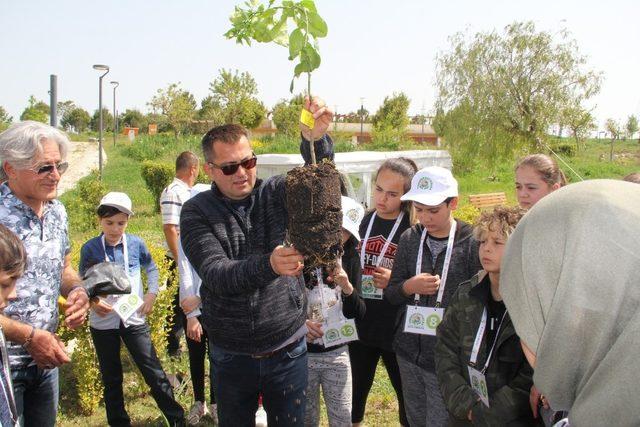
(252, 289)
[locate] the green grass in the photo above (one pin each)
(122, 173)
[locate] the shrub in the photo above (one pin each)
(81, 203)
(467, 213)
(568, 150)
(157, 175)
(84, 359)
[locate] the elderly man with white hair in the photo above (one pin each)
(32, 159)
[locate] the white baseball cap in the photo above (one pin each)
(352, 214)
(117, 200)
(431, 186)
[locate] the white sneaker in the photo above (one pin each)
(261, 417)
(213, 413)
(197, 411)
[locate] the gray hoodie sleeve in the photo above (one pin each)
(404, 268)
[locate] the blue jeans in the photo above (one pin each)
(138, 342)
(36, 393)
(240, 379)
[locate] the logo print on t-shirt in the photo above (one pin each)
(372, 252)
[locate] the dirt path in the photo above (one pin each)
(82, 158)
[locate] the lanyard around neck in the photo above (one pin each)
(363, 245)
(125, 252)
(478, 340)
(445, 267)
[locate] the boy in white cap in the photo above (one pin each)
(117, 318)
(334, 302)
(433, 257)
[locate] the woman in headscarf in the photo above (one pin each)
(571, 283)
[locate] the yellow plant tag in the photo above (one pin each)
(61, 302)
(306, 118)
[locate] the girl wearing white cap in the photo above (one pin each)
(334, 301)
(433, 258)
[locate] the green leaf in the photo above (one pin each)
(296, 42)
(261, 32)
(302, 67)
(291, 85)
(312, 57)
(309, 5)
(317, 26)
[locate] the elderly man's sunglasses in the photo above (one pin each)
(47, 169)
(231, 168)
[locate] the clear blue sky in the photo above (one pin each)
(374, 48)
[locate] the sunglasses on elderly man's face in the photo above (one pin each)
(231, 168)
(61, 167)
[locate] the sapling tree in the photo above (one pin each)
(293, 24)
(313, 193)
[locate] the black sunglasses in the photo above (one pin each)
(47, 169)
(232, 168)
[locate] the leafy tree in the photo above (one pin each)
(632, 126)
(133, 118)
(579, 121)
(363, 114)
(390, 121)
(5, 119)
(511, 86)
(107, 120)
(37, 110)
(613, 127)
(418, 119)
(236, 94)
(270, 24)
(462, 124)
(158, 119)
(392, 114)
(211, 111)
(355, 116)
(177, 105)
(63, 107)
(76, 118)
(286, 115)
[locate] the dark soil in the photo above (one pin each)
(315, 216)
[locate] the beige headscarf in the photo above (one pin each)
(571, 282)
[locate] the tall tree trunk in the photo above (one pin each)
(611, 152)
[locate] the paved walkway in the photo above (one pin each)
(82, 158)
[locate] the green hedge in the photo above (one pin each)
(157, 175)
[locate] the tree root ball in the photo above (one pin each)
(315, 216)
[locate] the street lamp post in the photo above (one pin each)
(104, 68)
(115, 113)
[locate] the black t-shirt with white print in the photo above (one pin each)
(377, 329)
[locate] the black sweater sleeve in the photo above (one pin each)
(221, 275)
(353, 306)
(324, 149)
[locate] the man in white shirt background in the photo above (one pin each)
(171, 200)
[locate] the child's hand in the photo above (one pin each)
(147, 305)
(340, 278)
(190, 303)
(381, 277)
(194, 329)
(314, 330)
(422, 284)
(100, 306)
